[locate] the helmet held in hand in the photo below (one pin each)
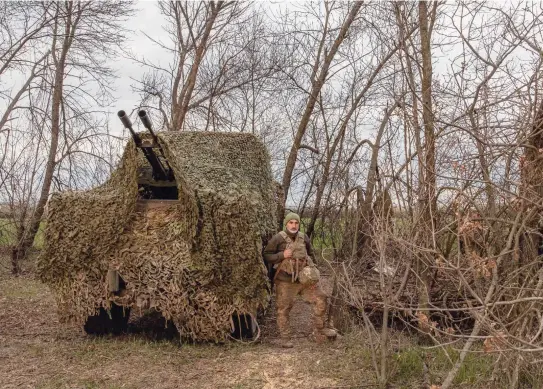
(309, 275)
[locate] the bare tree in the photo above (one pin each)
(427, 174)
(216, 56)
(319, 73)
(79, 53)
(20, 35)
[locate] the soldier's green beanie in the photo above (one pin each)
(290, 216)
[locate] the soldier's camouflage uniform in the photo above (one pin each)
(287, 285)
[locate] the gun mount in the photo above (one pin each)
(162, 171)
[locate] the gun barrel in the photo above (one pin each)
(124, 119)
(159, 171)
(128, 124)
(147, 123)
(145, 119)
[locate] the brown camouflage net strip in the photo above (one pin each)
(197, 261)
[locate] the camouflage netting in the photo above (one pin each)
(198, 261)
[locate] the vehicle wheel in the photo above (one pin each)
(114, 321)
(119, 316)
(245, 327)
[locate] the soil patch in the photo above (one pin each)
(38, 352)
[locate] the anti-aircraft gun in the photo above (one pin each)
(159, 182)
(162, 234)
(161, 170)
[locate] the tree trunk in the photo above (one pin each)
(532, 189)
(427, 190)
(181, 102)
(60, 64)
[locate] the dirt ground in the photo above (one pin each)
(36, 351)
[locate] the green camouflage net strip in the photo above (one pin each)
(82, 228)
(198, 261)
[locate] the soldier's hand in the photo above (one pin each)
(287, 253)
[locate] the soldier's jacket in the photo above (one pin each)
(273, 253)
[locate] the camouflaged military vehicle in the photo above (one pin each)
(178, 228)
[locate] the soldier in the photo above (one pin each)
(291, 255)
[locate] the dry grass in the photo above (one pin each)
(36, 351)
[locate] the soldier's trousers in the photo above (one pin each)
(286, 293)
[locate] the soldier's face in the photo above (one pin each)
(293, 225)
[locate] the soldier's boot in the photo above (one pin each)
(322, 333)
(330, 333)
(284, 332)
(284, 343)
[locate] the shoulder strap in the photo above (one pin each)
(284, 236)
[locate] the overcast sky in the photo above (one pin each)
(147, 20)
(446, 61)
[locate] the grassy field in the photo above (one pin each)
(8, 234)
(323, 239)
(38, 352)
